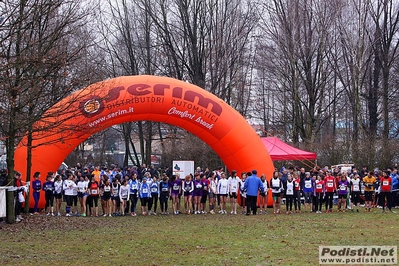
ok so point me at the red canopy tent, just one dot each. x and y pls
(281, 151)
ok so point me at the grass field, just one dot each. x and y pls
(265, 239)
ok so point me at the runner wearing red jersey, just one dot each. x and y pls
(330, 187)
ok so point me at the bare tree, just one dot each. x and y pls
(37, 51)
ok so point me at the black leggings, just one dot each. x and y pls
(289, 200)
(49, 200)
(153, 201)
(329, 200)
(93, 201)
(163, 199)
(69, 200)
(319, 201)
(297, 200)
(386, 195)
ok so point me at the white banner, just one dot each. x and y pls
(183, 168)
(3, 202)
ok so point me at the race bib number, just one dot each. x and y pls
(175, 187)
(145, 190)
(234, 188)
(164, 189)
(296, 184)
(94, 191)
(199, 186)
(308, 185)
(330, 184)
(318, 186)
(134, 186)
(385, 183)
(224, 187)
(289, 191)
(107, 189)
(342, 187)
(154, 189)
(356, 187)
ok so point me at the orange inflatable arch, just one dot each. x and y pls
(140, 98)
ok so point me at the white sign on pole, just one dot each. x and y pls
(3, 202)
(183, 168)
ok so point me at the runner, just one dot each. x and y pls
(385, 193)
(58, 184)
(68, 187)
(124, 195)
(36, 188)
(116, 203)
(319, 192)
(297, 192)
(106, 192)
(308, 191)
(48, 188)
(243, 193)
(369, 182)
(205, 192)
(343, 186)
(154, 188)
(212, 192)
(94, 194)
(330, 188)
(164, 194)
(355, 192)
(145, 195)
(276, 186)
(222, 190)
(133, 186)
(175, 192)
(233, 184)
(263, 195)
(82, 195)
(289, 187)
(197, 193)
(188, 188)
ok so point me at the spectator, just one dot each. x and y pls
(252, 186)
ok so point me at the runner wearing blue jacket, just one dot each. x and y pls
(134, 185)
(154, 196)
(145, 195)
(252, 186)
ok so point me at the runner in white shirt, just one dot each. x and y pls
(82, 194)
(223, 190)
(355, 184)
(68, 187)
(263, 195)
(243, 193)
(124, 194)
(75, 197)
(58, 194)
(233, 182)
(212, 192)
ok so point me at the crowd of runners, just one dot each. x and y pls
(118, 192)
